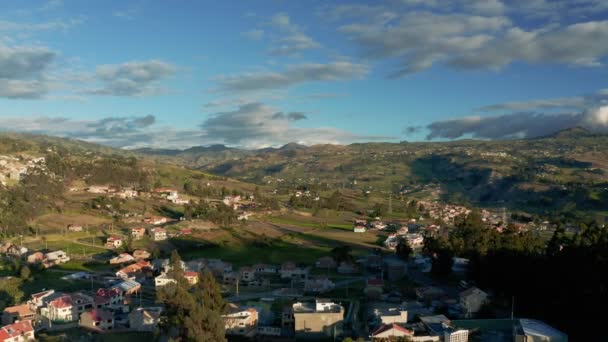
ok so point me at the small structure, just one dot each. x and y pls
(17, 332)
(134, 270)
(390, 331)
(241, 321)
(113, 242)
(122, 258)
(360, 229)
(534, 330)
(145, 319)
(138, 233)
(158, 234)
(471, 300)
(140, 254)
(191, 277)
(320, 320)
(16, 313)
(74, 227)
(97, 319)
(56, 257)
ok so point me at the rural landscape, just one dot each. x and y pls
(319, 170)
(390, 233)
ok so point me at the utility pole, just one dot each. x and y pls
(512, 307)
(390, 203)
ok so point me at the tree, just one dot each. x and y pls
(192, 314)
(25, 273)
(404, 250)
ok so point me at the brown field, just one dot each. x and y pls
(57, 222)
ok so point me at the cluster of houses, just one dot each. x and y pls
(47, 259)
(361, 226)
(14, 168)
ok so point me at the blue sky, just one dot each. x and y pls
(263, 73)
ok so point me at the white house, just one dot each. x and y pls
(158, 234)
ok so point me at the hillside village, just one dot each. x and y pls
(375, 295)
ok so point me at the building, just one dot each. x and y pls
(144, 319)
(134, 270)
(347, 268)
(113, 242)
(290, 270)
(158, 234)
(241, 321)
(359, 229)
(122, 258)
(374, 288)
(162, 280)
(460, 265)
(109, 298)
(318, 285)
(56, 257)
(97, 319)
(247, 273)
(140, 254)
(439, 325)
(320, 320)
(138, 233)
(21, 312)
(471, 300)
(156, 220)
(127, 287)
(531, 330)
(17, 332)
(326, 262)
(74, 227)
(389, 331)
(389, 314)
(394, 268)
(191, 277)
(59, 309)
(35, 258)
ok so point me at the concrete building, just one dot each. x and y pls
(530, 330)
(17, 332)
(21, 312)
(471, 300)
(323, 319)
(97, 319)
(241, 321)
(439, 325)
(144, 319)
(385, 332)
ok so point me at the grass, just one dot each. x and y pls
(78, 334)
(47, 279)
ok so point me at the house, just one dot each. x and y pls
(439, 325)
(231, 200)
(127, 193)
(122, 258)
(156, 220)
(127, 287)
(17, 251)
(186, 231)
(471, 300)
(74, 227)
(191, 277)
(144, 319)
(39, 299)
(460, 265)
(17, 332)
(109, 298)
(386, 332)
(162, 280)
(80, 303)
(134, 270)
(321, 320)
(326, 262)
(97, 319)
(318, 285)
(35, 258)
(378, 225)
(374, 288)
(56, 257)
(389, 314)
(247, 273)
(138, 233)
(429, 292)
(360, 229)
(265, 269)
(533, 330)
(59, 309)
(98, 189)
(243, 216)
(290, 270)
(140, 254)
(113, 242)
(241, 321)
(21, 312)
(347, 268)
(158, 234)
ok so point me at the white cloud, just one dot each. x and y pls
(291, 76)
(23, 71)
(137, 78)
